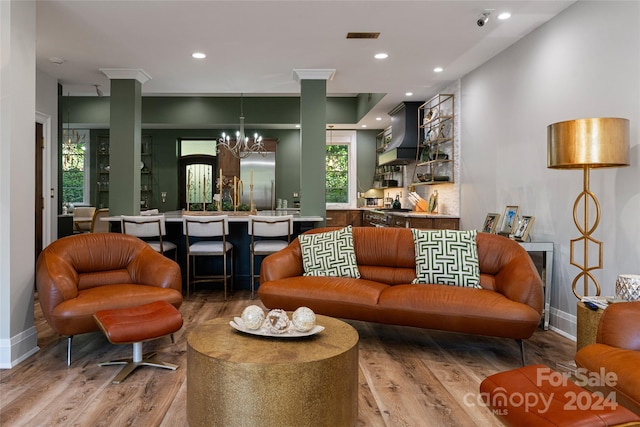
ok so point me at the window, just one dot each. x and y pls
(75, 164)
(340, 169)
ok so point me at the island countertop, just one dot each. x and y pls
(176, 216)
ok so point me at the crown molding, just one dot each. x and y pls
(126, 74)
(313, 74)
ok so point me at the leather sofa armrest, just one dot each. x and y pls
(282, 264)
(618, 326)
(519, 281)
(152, 268)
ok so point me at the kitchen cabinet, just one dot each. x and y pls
(229, 163)
(398, 221)
(344, 217)
(104, 168)
(435, 152)
(434, 223)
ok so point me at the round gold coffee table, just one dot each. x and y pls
(236, 379)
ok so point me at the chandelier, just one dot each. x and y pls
(73, 146)
(242, 146)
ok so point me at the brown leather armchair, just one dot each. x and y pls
(617, 351)
(77, 276)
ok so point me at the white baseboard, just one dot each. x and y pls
(18, 348)
(563, 323)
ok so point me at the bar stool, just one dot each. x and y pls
(264, 227)
(149, 228)
(207, 228)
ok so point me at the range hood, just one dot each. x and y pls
(404, 135)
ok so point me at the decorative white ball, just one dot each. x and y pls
(304, 319)
(253, 316)
(277, 321)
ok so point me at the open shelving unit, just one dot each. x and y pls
(435, 151)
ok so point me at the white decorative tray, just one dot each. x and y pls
(291, 332)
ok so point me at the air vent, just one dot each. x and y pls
(363, 35)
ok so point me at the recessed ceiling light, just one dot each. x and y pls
(364, 126)
(504, 15)
(381, 56)
(438, 70)
(198, 55)
(409, 94)
(378, 118)
(297, 126)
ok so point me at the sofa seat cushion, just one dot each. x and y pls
(455, 308)
(343, 297)
(623, 363)
(77, 313)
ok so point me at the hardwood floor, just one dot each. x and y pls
(408, 376)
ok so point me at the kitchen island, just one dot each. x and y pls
(238, 235)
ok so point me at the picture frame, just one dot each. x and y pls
(491, 223)
(523, 228)
(509, 220)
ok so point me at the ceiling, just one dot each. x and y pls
(252, 47)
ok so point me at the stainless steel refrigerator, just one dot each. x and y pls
(264, 179)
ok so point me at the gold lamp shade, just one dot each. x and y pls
(586, 144)
(597, 143)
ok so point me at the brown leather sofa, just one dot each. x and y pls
(78, 275)
(508, 305)
(616, 351)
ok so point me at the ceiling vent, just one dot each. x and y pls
(363, 35)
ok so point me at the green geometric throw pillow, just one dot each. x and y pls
(446, 257)
(329, 254)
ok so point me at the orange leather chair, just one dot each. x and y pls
(617, 351)
(76, 276)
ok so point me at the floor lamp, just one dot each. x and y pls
(586, 144)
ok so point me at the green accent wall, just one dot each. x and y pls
(167, 119)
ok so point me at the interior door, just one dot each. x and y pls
(39, 196)
(198, 173)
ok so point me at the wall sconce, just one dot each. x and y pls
(163, 194)
(586, 144)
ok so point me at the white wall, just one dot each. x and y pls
(17, 172)
(583, 63)
(47, 113)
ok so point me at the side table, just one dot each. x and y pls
(547, 260)
(587, 325)
(237, 379)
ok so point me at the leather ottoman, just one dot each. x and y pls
(538, 396)
(134, 326)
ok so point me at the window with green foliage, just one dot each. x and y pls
(74, 175)
(337, 171)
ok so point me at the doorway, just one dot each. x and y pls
(39, 193)
(196, 180)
